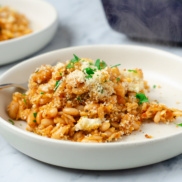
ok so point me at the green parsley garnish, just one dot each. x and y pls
(134, 71)
(142, 98)
(115, 65)
(58, 82)
(70, 65)
(180, 124)
(35, 114)
(89, 71)
(25, 101)
(101, 91)
(76, 58)
(154, 86)
(11, 121)
(118, 79)
(41, 93)
(100, 64)
(88, 76)
(37, 70)
(79, 98)
(73, 61)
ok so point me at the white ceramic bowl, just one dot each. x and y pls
(160, 68)
(43, 21)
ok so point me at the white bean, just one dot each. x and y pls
(71, 111)
(13, 109)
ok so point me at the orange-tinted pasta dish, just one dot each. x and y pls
(86, 100)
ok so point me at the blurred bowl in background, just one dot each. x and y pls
(154, 20)
(43, 22)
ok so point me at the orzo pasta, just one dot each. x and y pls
(87, 101)
(12, 24)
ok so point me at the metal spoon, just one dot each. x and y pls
(23, 86)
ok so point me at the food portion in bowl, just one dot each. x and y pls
(12, 24)
(84, 100)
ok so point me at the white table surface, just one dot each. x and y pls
(83, 22)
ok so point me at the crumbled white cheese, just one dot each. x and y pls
(44, 87)
(99, 85)
(59, 65)
(132, 81)
(87, 124)
(96, 77)
(75, 77)
(84, 64)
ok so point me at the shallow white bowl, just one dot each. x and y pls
(160, 68)
(43, 21)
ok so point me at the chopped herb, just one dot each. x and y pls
(115, 65)
(73, 61)
(118, 79)
(35, 114)
(76, 58)
(154, 86)
(142, 98)
(180, 124)
(61, 73)
(103, 65)
(70, 65)
(88, 76)
(100, 64)
(89, 71)
(100, 89)
(37, 70)
(97, 63)
(134, 71)
(25, 101)
(41, 93)
(79, 98)
(58, 82)
(11, 121)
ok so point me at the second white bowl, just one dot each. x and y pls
(43, 21)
